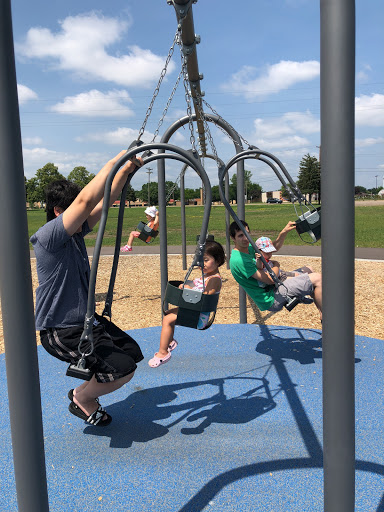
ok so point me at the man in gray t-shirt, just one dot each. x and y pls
(63, 273)
(61, 297)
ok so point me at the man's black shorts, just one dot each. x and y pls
(115, 353)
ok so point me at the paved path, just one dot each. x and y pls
(232, 423)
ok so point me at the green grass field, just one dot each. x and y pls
(262, 218)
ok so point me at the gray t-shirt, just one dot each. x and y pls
(63, 273)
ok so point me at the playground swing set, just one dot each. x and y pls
(189, 302)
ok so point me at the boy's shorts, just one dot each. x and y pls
(115, 353)
(298, 286)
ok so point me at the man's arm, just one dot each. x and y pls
(278, 243)
(91, 195)
(117, 186)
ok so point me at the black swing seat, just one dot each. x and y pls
(310, 222)
(79, 370)
(146, 231)
(294, 301)
(190, 303)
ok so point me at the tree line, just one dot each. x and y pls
(309, 182)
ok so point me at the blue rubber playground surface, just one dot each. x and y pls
(232, 423)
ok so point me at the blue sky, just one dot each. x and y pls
(86, 73)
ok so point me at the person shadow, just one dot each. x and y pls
(140, 418)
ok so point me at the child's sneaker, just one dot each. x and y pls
(126, 248)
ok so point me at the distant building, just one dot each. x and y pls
(275, 194)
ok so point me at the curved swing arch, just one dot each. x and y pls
(109, 298)
(293, 301)
(217, 120)
(182, 201)
(309, 220)
(80, 370)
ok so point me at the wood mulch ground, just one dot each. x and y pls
(137, 302)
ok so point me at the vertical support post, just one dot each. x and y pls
(337, 170)
(17, 294)
(163, 226)
(227, 220)
(241, 214)
(183, 230)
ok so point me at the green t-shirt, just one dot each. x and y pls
(243, 266)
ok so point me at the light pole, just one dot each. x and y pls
(149, 172)
(376, 180)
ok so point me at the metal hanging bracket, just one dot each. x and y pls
(188, 49)
(181, 10)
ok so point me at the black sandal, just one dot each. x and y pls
(96, 418)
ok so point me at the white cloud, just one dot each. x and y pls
(37, 157)
(80, 47)
(370, 110)
(25, 94)
(363, 74)
(275, 78)
(122, 136)
(285, 131)
(293, 141)
(369, 141)
(32, 141)
(96, 104)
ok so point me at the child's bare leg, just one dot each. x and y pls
(134, 234)
(87, 393)
(317, 291)
(167, 332)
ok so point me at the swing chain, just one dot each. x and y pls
(157, 89)
(184, 59)
(167, 106)
(198, 103)
(172, 189)
(228, 124)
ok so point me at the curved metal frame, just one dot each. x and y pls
(292, 301)
(309, 220)
(183, 156)
(162, 197)
(182, 201)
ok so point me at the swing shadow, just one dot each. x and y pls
(279, 349)
(304, 348)
(141, 411)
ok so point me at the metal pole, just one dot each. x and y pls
(227, 221)
(16, 292)
(149, 172)
(183, 230)
(189, 40)
(161, 171)
(337, 170)
(241, 214)
(163, 225)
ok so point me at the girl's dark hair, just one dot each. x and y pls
(215, 250)
(60, 193)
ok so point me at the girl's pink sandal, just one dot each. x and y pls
(158, 361)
